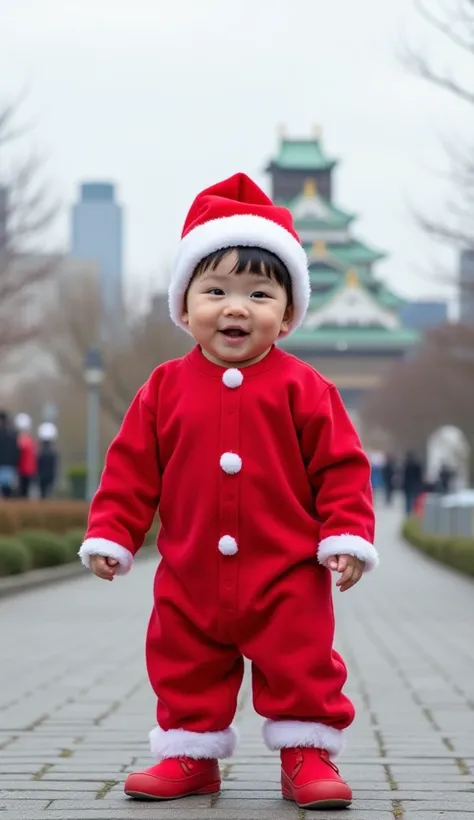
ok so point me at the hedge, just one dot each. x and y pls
(47, 549)
(54, 515)
(35, 548)
(454, 551)
(15, 557)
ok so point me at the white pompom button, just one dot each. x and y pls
(228, 545)
(232, 377)
(231, 463)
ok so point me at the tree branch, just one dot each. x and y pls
(446, 28)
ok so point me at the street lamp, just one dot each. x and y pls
(93, 377)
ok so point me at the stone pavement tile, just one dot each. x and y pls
(7, 805)
(60, 786)
(248, 803)
(414, 814)
(90, 772)
(367, 787)
(123, 802)
(165, 814)
(442, 786)
(250, 785)
(25, 765)
(449, 804)
(26, 794)
(19, 768)
(254, 773)
(117, 795)
(77, 777)
(415, 770)
(436, 795)
(255, 793)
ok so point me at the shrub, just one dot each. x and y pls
(55, 515)
(74, 539)
(454, 551)
(14, 556)
(77, 471)
(46, 548)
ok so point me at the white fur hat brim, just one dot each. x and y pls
(245, 230)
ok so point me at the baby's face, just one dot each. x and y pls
(235, 317)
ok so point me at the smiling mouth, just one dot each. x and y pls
(234, 332)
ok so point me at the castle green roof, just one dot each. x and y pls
(304, 155)
(351, 338)
(351, 253)
(356, 253)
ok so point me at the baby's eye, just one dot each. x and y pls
(215, 291)
(259, 294)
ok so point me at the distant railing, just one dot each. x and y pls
(450, 514)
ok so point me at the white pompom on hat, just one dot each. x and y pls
(232, 213)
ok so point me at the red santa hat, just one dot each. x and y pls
(231, 213)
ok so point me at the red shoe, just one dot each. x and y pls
(312, 781)
(174, 777)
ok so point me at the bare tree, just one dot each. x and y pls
(452, 21)
(430, 390)
(75, 324)
(25, 214)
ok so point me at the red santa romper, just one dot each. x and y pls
(260, 478)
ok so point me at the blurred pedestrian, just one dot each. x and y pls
(9, 456)
(412, 480)
(27, 464)
(389, 472)
(48, 459)
(376, 459)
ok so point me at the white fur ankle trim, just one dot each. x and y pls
(348, 545)
(197, 745)
(289, 734)
(109, 549)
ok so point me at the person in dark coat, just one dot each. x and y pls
(412, 480)
(48, 459)
(9, 456)
(389, 472)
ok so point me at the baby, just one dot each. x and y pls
(262, 488)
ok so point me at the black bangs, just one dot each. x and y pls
(254, 260)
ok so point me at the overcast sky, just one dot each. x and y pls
(165, 98)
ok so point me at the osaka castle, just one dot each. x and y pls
(352, 331)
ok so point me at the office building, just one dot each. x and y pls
(424, 314)
(97, 236)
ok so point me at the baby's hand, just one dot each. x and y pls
(351, 568)
(105, 568)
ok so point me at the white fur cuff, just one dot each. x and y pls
(196, 745)
(109, 549)
(289, 734)
(348, 545)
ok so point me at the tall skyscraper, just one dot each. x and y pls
(96, 235)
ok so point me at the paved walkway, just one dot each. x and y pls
(75, 707)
